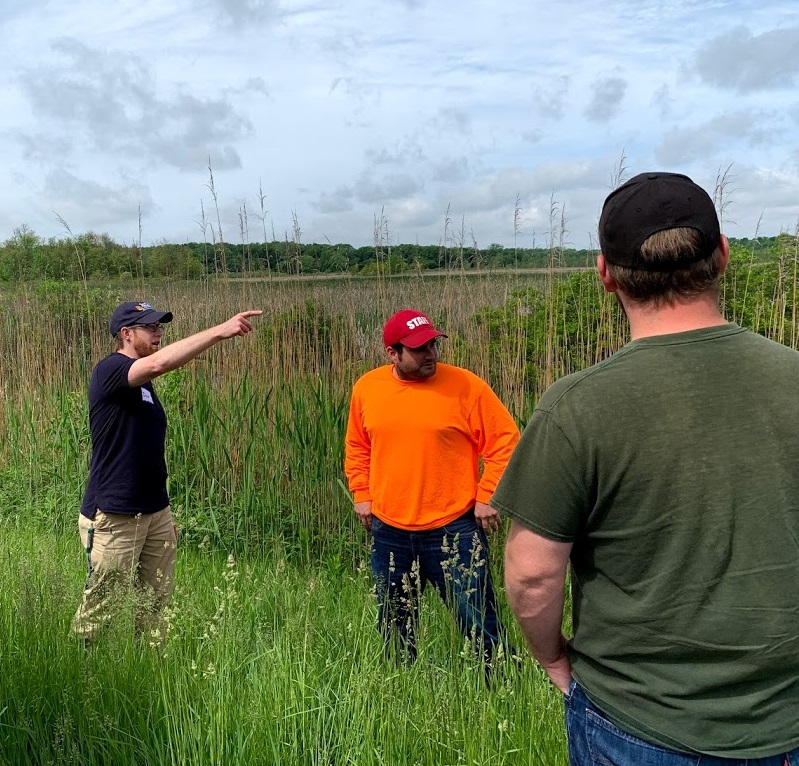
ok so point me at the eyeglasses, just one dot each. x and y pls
(431, 345)
(151, 328)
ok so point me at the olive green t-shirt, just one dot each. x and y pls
(673, 467)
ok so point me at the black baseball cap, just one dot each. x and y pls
(136, 312)
(653, 202)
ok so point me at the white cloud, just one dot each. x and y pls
(741, 61)
(754, 191)
(344, 109)
(84, 203)
(338, 201)
(608, 93)
(533, 136)
(663, 101)
(715, 137)
(550, 100)
(239, 13)
(111, 100)
(454, 170)
(378, 190)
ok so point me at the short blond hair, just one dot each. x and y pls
(674, 286)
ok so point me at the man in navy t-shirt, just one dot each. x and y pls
(125, 522)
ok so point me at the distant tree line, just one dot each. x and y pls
(25, 256)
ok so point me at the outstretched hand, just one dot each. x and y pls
(239, 324)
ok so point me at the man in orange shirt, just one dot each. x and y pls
(415, 432)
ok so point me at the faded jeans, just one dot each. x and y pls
(595, 741)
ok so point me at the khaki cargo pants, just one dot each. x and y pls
(131, 560)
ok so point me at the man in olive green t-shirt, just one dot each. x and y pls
(668, 475)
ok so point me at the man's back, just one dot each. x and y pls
(673, 467)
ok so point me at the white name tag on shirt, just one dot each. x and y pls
(146, 396)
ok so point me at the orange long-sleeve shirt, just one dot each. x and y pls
(412, 447)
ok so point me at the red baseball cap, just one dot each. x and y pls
(410, 327)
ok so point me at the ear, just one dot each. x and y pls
(392, 354)
(604, 275)
(724, 251)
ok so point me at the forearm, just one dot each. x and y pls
(178, 353)
(184, 350)
(173, 356)
(535, 576)
(538, 605)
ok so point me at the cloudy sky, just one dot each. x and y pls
(439, 118)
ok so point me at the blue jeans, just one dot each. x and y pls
(454, 560)
(595, 741)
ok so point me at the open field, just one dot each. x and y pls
(272, 656)
(266, 663)
(429, 273)
(255, 446)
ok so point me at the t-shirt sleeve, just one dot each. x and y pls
(544, 486)
(112, 374)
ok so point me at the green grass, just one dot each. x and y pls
(274, 659)
(265, 663)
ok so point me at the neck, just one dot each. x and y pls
(647, 321)
(129, 351)
(403, 376)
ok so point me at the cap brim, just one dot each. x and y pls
(421, 336)
(151, 316)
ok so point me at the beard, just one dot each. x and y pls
(143, 345)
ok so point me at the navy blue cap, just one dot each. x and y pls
(132, 313)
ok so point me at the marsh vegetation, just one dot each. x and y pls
(272, 656)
